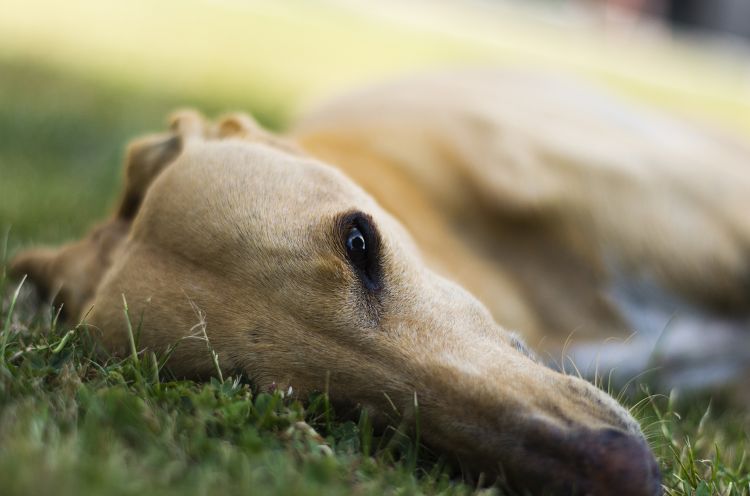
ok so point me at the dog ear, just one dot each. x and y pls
(189, 124)
(238, 125)
(36, 264)
(147, 156)
(243, 126)
(70, 274)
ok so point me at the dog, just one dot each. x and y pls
(335, 258)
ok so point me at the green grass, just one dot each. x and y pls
(70, 424)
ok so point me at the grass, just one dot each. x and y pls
(75, 87)
(74, 424)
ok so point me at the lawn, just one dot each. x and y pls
(75, 86)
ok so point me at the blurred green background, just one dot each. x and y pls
(79, 79)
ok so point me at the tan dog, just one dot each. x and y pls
(306, 281)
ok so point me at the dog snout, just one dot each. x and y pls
(587, 462)
(616, 463)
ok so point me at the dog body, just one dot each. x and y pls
(572, 216)
(542, 199)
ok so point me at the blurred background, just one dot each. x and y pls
(79, 78)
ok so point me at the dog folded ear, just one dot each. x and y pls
(243, 126)
(36, 264)
(147, 156)
(239, 125)
(70, 274)
(189, 124)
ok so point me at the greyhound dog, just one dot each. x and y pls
(335, 257)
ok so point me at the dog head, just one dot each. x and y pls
(301, 280)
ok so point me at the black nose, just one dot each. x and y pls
(616, 462)
(586, 462)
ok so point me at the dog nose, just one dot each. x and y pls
(618, 463)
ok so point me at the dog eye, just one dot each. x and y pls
(361, 243)
(356, 246)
